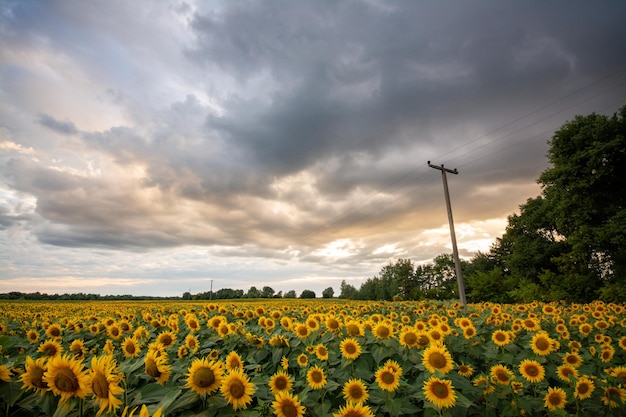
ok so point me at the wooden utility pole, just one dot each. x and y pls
(455, 251)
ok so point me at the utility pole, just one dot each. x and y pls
(455, 251)
(211, 291)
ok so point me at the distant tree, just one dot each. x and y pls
(328, 293)
(371, 289)
(267, 292)
(290, 294)
(279, 294)
(307, 294)
(253, 293)
(347, 291)
(186, 295)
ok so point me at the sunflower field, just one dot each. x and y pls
(291, 358)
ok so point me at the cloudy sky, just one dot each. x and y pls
(151, 147)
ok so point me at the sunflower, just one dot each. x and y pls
(332, 324)
(465, 370)
(104, 384)
(166, 338)
(204, 377)
(321, 352)
(284, 362)
(532, 370)
(350, 348)
(5, 373)
(287, 405)
(394, 367)
(585, 329)
(542, 344)
(303, 360)
(531, 324)
(32, 378)
(555, 398)
(355, 391)
(301, 330)
(130, 347)
(354, 410)
(279, 340)
(618, 372)
(237, 389)
(573, 359)
(622, 342)
(67, 378)
(408, 337)
(501, 374)
(501, 337)
(280, 381)
(233, 361)
(482, 381)
(51, 348)
(584, 388)
(387, 379)
(192, 343)
(354, 328)
(114, 332)
(437, 358)
(54, 331)
(566, 372)
(77, 348)
(382, 330)
(440, 392)
(316, 378)
(32, 336)
(612, 394)
(156, 366)
(606, 353)
(469, 332)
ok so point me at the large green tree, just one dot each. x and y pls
(570, 242)
(586, 191)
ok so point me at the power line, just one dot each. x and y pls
(399, 182)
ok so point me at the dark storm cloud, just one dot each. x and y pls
(359, 95)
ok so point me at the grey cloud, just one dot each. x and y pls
(63, 127)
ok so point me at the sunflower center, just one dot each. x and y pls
(410, 338)
(152, 369)
(554, 399)
(236, 389)
(280, 383)
(542, 343)
(130, 348)
(567, 372)
(440, 390)
(388, 378)
(356, 393)
(204, 377)
(532, 370)
(500, 337)
(115, 332)
(423, 340)
(382, 331)
(289, 410)
(322, 351)
(437, 360)
(55, 332)
(350, 348)
(317, 377)
(65, 380)
(166, 340)
(583, 388)
(100, 385)
(352, 329)
(502, 376)
(36, 378)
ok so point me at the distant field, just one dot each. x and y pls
(294, 357)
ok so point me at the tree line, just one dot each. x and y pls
(569, 243)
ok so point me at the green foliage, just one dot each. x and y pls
(328, 293)
(307, 294)
(570, 242)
